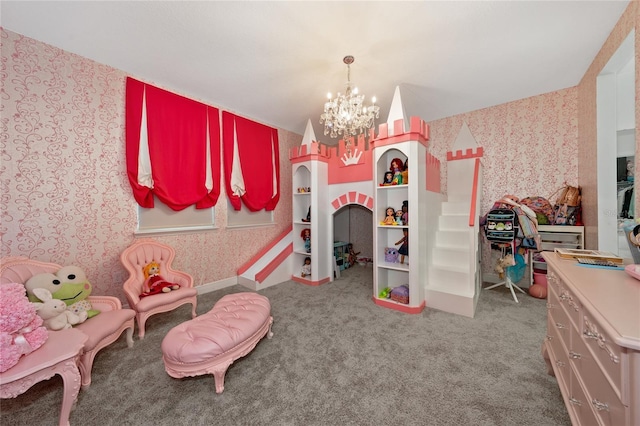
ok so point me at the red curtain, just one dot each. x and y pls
(177, 130)
(257, 164)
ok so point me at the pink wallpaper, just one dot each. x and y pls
(587, 131)
(65, 197)
(530, 146)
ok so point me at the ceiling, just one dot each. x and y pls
(275, 61)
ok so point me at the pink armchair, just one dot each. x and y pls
(135, 258)
(101, 330)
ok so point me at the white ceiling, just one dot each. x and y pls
(274, 61)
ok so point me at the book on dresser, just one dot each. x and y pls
(566, 253)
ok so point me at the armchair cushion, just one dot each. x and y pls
(110, 322)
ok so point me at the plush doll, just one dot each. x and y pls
(306, 268)
(69, 284)
(306, 237)
(54, 312)
(503, 264)
(21, 330)
(391, 255)
(154, 283)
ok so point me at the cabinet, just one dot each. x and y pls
(593, 342)
(389, 271)
(552, 236)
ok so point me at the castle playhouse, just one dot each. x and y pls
(443, 271)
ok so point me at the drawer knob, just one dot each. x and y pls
(560, 364)
(600, 406)
(575, 401)
(560, 326)
(574, 355)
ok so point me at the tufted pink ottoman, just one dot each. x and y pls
(210, 343)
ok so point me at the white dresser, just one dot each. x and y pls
(593, 342)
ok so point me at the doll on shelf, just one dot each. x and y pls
(306, 237)
(399, 217)
(390, 218)
(306, 267)
(405, 172)
(403, 250)
(397, 166)
(388, 179)
(405, 212)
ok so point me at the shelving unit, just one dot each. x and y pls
(387, 273)
(301, 208)
(552, 236)
(341, 254)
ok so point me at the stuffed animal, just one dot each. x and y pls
(154, 283)
(391, 255)
(69, 284)
(21, 330)
(54, 312)
(503, 264)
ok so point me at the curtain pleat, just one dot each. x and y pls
(183, 146)
(251, 163)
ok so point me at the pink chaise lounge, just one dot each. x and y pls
(210, 343)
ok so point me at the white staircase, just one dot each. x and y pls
(454, 275)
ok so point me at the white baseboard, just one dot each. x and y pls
(217, 285)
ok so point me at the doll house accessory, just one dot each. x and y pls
(101, 330)
(138, 255)
(210, 343)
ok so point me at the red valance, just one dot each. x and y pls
(172, 148)
(251, 163)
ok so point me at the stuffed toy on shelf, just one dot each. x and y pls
(154, 283)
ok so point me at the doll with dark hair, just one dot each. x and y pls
(388, 179)
(390, 217)
(306, 267)
(405, 212)
(404, 248)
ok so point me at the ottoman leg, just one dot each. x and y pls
(218, 375)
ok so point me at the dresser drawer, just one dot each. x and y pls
(557, 346)
(606, 353)
(602, 395)
(580, 405)
(566, 298)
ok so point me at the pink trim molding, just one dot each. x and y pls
(432, 167)
(469, 153)
(418, 131)
(474, 193)
(242, 269)
(399, 306)
(352, 197)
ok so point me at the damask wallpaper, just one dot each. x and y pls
(65, 196)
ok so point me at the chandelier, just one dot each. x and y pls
(346, 115)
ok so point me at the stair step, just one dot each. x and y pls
(450, 222)
(452, 239)
(455, 208)
(460, 197)
(451, 256)
(455, 280)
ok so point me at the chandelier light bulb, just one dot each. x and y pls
(329, 95)
(373, 100)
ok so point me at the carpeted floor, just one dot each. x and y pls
(335, 358)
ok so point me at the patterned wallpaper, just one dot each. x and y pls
(65, 197)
